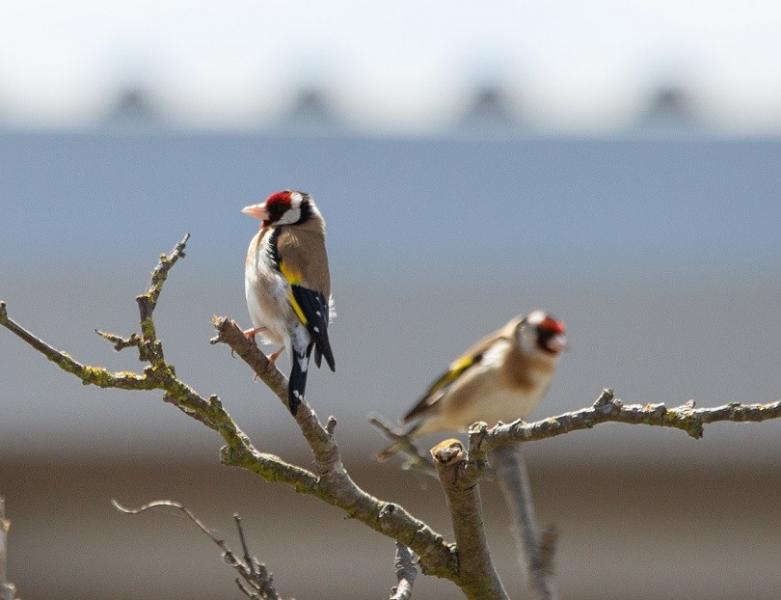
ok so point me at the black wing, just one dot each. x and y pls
(315, 309)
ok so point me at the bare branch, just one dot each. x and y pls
(320, 441)
(119, 342)
(161, 376)
(416, 458)
(459, 477)
(330, 425)
(335, 485)
(7, 589)
(331, 483)
(607, 408)
(89, 375)
(404, 565)
(535, 552)
(151, 349)
(147, 301)
(254, 579)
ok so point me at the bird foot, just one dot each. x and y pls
(252, 332)
(272, 358)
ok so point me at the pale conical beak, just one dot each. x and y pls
(256, 210)
(558, 343)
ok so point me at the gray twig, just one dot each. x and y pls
(416, 458)
(120, 343)
(7, 589)
(404, 565)
(330, 425)
(535, 552)
(254, 580)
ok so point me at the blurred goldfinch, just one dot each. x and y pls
(501, 378)
(287, 284)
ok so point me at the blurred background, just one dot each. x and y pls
(615, 163)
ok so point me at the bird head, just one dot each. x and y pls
(288, 207)
(539, 332)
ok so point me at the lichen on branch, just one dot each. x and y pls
(329, 482)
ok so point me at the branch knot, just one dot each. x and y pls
(607, 403)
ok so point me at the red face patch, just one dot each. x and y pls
(278, 199)
(277, 204)
(552, 325)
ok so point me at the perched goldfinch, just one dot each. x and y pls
(501, 378)
(288, 284)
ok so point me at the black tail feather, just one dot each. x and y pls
(318, 356)
(324, 347)
(296, 387)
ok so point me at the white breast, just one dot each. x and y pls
(266, 293)
(476, 397)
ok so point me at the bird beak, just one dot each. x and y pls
(558, 343)
(256, 210)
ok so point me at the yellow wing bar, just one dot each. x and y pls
(293, 278)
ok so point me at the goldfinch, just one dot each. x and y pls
(501, 378)
(287, 284)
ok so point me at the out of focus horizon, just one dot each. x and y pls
(531, 68)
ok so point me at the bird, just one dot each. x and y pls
(288, 284)
(503, 377)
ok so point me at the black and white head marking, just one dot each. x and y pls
(300, 210)
(540, 332)
(526, 331)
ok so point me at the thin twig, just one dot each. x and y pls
(416, 458)
(404, 566)
(150, 348)
(7, 589)
(535, 552)
(254, 579)
(120, 343)
(330, 425)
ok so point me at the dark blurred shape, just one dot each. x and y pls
(490, 110)
(670, 109)
(134, 107)
(662, 525)
(311, 111)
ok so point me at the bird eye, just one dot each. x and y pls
(275, 211)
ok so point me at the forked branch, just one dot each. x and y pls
(460, 478)
(331, 482)
(254, 580)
